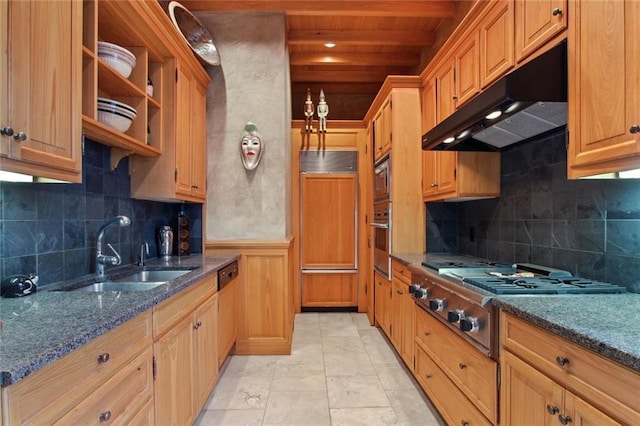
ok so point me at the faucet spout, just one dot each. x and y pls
(101, 259)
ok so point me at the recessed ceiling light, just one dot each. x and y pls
(494, 114)
(329, 45)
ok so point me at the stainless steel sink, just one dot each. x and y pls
(139, 281)
(124, 286)
(153, 276)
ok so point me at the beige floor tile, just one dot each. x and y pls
(412, 408)
(372, 336)
(299, 377)
(382, 354)
(230, 418)
(242, 393)
(297, 408)
(361, 321)
(306, 317)
(356, 392)
(363, 416)
(355, 364)
(310, 353)
(342, 345)
(251, 365)
(394, 377)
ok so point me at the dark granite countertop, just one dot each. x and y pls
(39, 329)
(606, 324)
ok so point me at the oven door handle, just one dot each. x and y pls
(380, 225)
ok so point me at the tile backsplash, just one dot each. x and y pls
(50, 229)
(589, 227)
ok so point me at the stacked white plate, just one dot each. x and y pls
(115, 114)
(117, 57)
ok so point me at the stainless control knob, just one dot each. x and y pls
(436, 305)
(469, 324)
(455, 316)
(420, 293)
(413, 287)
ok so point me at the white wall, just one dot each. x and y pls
(252, 84)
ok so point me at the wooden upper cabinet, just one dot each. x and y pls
(43, 68)
(383, 130)
(604, 65)
(467, 77)
(537, 21)
(445, 84)
(496, 42)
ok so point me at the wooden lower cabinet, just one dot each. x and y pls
(383, 303)
(453, 406)
(472, 373)
(402, 313)
(331, 289)
(111, 374)
(547, 379)
(227, 319)
(186, 354)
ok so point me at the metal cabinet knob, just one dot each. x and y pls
(20, 136)
(565, 420)
(8, 131)
(105, 417)
(428, 376)
(102, 358)
(557, 11)
(462, 366)
(562, 361)
(634, 129)
(552, 409)
(464, 423)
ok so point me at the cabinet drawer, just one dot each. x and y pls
(172, 310)
(119, 399)
(474, 373)
(450, 401)
(401, 271)
(51, 392)
(606, 384)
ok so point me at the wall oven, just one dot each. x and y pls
(382, 238)
(382, 181)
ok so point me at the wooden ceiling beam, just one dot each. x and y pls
(364, 38)
(356, 59)
(370, 75)
(412, 8)
(335, 87)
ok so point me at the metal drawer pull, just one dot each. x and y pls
(102, 358)
(20, 136)
(462, 366)
(428, 376)
(464, 423)
(552, 409)
(562, 361)
(426, 333)
(557, 11)
(634, 129)
(105, 417)
(197, 325)
(6, 131)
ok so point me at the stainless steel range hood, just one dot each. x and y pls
(527, 102)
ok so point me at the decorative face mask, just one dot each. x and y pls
(251, 148)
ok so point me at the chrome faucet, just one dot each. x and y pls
(143, 247)
(102, 259)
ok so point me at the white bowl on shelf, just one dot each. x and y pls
(107, 103)
(118, 58)
(114, 119)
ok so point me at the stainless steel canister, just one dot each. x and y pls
(165, 237)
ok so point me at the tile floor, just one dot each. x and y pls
(341, 371)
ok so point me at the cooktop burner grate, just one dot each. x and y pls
(543, 285)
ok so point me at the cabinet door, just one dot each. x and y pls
(387, 126)
(408, 327)
(528, 397)
(44, 88)
(467, 83)
(536, 22)
(199, 139)
(383, 303)
(446, 171)
(604, 103)
(397, 303)
(582, 413)
(173, 389)
(496, 42)
(205, 373)
(445, 90)
(328, 209)
(183, 134)
(227, 320)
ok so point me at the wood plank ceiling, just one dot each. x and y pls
(373, 39)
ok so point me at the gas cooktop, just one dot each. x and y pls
(542, 285)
